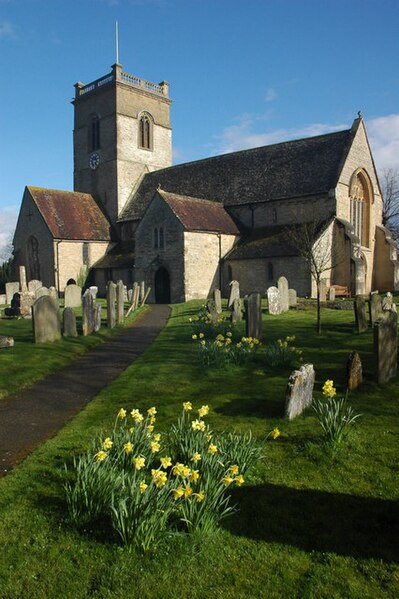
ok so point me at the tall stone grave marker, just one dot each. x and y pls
(234, 292)
(360, 314)
(120, 298)
(388, 303)
(375, 307)
(217, 296)
(111, 298)
(323, 290)
(53, 293)
(354, 372)
(273, 300)
(72, 296)
(331, 294)
(253, 315)
(11, 288)
(292, 298)
(97, 317)
(22, 279)
(94, 291)
(299, 394)
(69, 323)
(282, 285)
(27, 300)
(211, 307)
(135, 295)
(142, 291)
(46, 320)
(386, 347)
(87, 313)
(236, 314)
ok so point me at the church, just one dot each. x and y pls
(187, 229)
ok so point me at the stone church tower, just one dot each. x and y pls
(121, 132)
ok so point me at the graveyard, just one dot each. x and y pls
(311, 519)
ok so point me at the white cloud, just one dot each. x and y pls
(7, 30)
(383, 134)
(271, 94)
(8, 220)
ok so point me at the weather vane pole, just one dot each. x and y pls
(116, 42)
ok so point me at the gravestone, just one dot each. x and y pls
(69, 323)
(388, 303)
(234, 292)
(282, 285)
(331, 294)
(72, 296)
(97, 318)
(253, 315)
(375, 307)
(273, 300)
(147, 293)
(130, 295)
(11, 288)
(46, 320)
(135, 295)
(211, 307)
(27, 299)
(6, 342)
(53, 293)
(111, 298)
(236, 313)
(299, 393)
(323, 290)
(22, 279)
(125, 294)
(93, 290)
(120, 307)
(3, 298)
(34, 284)
(360, 313)
(42, 291)
(87, 313)
(217, 296)
(386, 347)
(354, 373)
(292, 298)
(142, 291)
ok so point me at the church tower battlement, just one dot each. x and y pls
(121, 131)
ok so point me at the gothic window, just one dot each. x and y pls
(33, 258)
(85, 254)
(270, 271)
(161, 238)
(156, 239)
(145, 132)
(360, 200)
(94, 133)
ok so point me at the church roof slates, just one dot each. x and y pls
(71, 215)
(200, 215)
(303, 167)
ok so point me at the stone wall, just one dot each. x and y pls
(70, 258)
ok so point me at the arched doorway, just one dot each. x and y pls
(162, 286)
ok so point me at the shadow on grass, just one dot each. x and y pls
(359, 527)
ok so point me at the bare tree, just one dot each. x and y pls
(390, 200)
(313, 242)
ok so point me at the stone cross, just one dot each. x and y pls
(273, 300)
(282, 285)
(386, 347)
(360, 314)
(299, 394)
(253, 315)
(46, 320)
(234, 292)
(111, 298)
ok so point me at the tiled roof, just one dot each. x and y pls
(119, 256)
(71, 214)
(200, 215)
(303, 167)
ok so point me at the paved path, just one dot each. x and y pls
(30, 417)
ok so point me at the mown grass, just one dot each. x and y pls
(311, 523)
(26, 362)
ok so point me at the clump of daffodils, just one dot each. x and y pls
(282, 353)
(221, 350)
(334, 414)
(145, 482)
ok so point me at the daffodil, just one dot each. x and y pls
(199, 496)
(107, 444)
(187, 406)
(139, 462)
(136, 415)
(234, 470)
(227, 480)
(142, 486)
(159, 477)
(150, 428)
(196, 457)
(239, 480)
(157, 437)
(151, 411)
(128, 448)
(181, 470)
(212, 449)
(154, 446)
(201, 335)
(166, 462)
(188, 491)
(177, 493)
(198, 425)
(275, 433)
(203, 411)
(329, 389)
(194, 337)
(101, 456)
(122, 413)
(194, 476)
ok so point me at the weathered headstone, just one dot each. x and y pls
(41, 292)
(130, 295)
(234, 292)
(3, 298)
(27, 300)
(273, 300)
(375, 307)
(388, 303)
(22, 279)
(354, 373)
(360, 314)
(299, 394)
(87, 313)
(253, 315)
(236, 313)
(72, 296)
(6, 342)
(69, 323)
(125, 294)
(135, 295)
(46, 320)
(282, 285)
(292, 298)
(111, 298)
(53, 293)
(34, 284)
(97, 318)
(11, 288)
(142, 291)
(331, 294)
(217, 296)
(120, 306)
(93, 290)
(211, 307)
(386, 347)
(323, 290)
(147, 293)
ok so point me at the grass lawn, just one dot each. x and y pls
(311, 523)
(26, 362)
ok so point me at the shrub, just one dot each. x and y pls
(334, 415)
(281, 354)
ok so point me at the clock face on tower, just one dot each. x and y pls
(94, 160)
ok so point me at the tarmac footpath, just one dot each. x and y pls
(34, 415)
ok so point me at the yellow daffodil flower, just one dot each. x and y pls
(166, 462)
(139, 462)
(128, 448)
(177, 493)
(107, 444)
(194, 476)
(239, 480)
(275, 433)
(187, 406)
(196, 457)
(142, 486)
(154, 446)
(227, 480)
(198, 425)
(151, 411)
(203, 411)
(101, 456)
(212, 449)
(188, 491)
(194, 337)
(136, 415)
(234, 470)
(159, 477)
(122, 413)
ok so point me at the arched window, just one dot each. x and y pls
(361, 195)
(161, 238)
(270, 271)
(156, 238)
(33, 258)
(145, 132)
(94, 133)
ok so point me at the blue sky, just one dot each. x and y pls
(243, 73)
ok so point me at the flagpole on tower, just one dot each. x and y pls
(116, 42)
